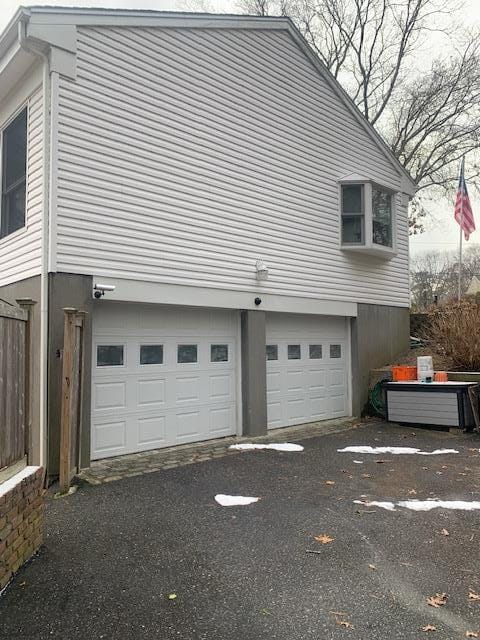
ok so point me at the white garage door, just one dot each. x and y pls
(306, 369)
(161, 376)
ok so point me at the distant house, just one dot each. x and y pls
(243, 226)
(474, 286)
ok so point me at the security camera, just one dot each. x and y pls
(99, 289)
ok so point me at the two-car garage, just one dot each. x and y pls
(167, 375)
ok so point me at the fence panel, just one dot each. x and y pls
(13, 334)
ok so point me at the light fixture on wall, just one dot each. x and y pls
(262, 270)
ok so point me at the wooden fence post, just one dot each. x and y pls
(27, 304)
(66, 414)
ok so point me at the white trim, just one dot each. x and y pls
(158, 293)
(15, 480)
(349, 367)
(238, 374)
(54, 114)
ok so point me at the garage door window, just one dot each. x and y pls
(110, 355)
(186, 353)
(272, 352)
(151, 354)
(335, 351)
(219, 353)
(294, 352)
(315, 351)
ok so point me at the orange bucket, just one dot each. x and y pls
(441, 376)
(401, 373)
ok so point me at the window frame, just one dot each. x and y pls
(368, 246)
(8, 236)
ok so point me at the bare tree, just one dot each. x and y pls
(428, 111)
(434, 276)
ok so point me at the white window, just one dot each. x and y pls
(367, 214)
(353, 214)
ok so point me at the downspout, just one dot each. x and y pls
(29, 47)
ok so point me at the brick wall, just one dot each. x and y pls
(21, 520)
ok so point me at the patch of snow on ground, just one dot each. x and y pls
(395, 450)
(358, 461)
(389, 506)
(423, 505)
(283, 446)
(232, 501)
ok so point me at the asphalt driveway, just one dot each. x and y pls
(115, 553)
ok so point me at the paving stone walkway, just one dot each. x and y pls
(135, 464)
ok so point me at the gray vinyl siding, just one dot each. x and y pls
(186, 154)
(20, 252)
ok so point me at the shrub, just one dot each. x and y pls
(454, 330)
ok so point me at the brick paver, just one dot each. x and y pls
(135, 464)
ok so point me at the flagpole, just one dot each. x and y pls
(460, 266)
(462, 172)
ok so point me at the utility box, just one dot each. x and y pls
(445, 404)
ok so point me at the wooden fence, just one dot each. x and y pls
(72, 390)
(15, 347)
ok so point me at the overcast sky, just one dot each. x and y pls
(442, 231)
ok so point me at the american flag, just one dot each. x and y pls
(463, 208)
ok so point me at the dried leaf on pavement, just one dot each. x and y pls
(323, 538)
(438, 600)
(366, 475)
(372, 567)
(329, 482)
(473, 596)
(429, 627)
(412, 492)
(444, 532)
(472, 634)
(344, 623)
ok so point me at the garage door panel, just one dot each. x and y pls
(109, 395)
(316, 381)
(294, 379)
(222, 420)
(187, 389)
(151, 392)
(319, 407)
(162, 394)
(310, 387)
(336, 378)
(152, 431)
(110, 437)
(220, 387)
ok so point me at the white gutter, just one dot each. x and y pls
(27, 45)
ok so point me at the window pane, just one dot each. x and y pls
(352, 229)
(382, 217)
(14, 142)
(335, 351)
(219, 353)
(352, 198)
(151, 354)
(14, 160)
(186, 353)
(110, 355)
(13, 210)
(315, 351)
(272, 352)
(294, 352)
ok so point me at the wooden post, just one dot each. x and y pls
(27, 304)
(66, 413)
